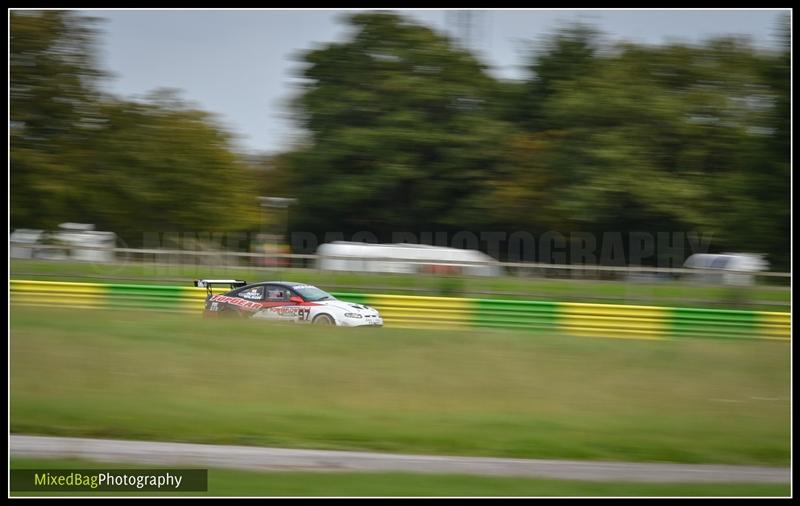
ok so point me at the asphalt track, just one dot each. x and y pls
(179, 455)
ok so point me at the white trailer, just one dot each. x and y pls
(404, 258)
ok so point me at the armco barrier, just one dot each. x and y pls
(601, 320)
(50, 293)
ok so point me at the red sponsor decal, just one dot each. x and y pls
(246, 304)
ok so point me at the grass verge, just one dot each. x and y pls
(140, 375)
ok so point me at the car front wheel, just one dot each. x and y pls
(323, 319)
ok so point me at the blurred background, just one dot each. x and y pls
(408, 126)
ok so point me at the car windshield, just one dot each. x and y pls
(312, 293)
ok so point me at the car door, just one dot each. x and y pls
(276, 296)
(276, 304)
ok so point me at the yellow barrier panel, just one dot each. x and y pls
(643, 322)
(775, 325)
(429, 312)
(194, 299)
(46, 293)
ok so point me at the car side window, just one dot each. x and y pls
(253, 293)
(277, 293)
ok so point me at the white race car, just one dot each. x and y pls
(285, 301)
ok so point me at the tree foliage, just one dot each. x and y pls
(129, 167)
(159, 164)
(52, 95)
(401, 132)
(408, 132)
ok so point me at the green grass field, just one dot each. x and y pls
(143, 375)
(668, 293)
(290, 484)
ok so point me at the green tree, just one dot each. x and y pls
(129, 167)
(401, 132)
(52, 96)
(619, 160)
(661, 138)
(407, 132)
(560, 59)
(161, 165)
(769, 185)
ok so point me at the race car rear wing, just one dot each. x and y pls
(208, 284)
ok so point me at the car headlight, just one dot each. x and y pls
(352, 315)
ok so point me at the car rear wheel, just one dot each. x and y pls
(323, 319)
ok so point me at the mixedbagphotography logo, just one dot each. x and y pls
(105, 480)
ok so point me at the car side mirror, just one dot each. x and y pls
(296, 299)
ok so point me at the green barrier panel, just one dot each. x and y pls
(686, 322)
(515, 314)
(355, 298)
(146, 296)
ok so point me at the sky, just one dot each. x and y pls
(242, 65)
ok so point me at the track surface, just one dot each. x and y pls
(279, 459)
